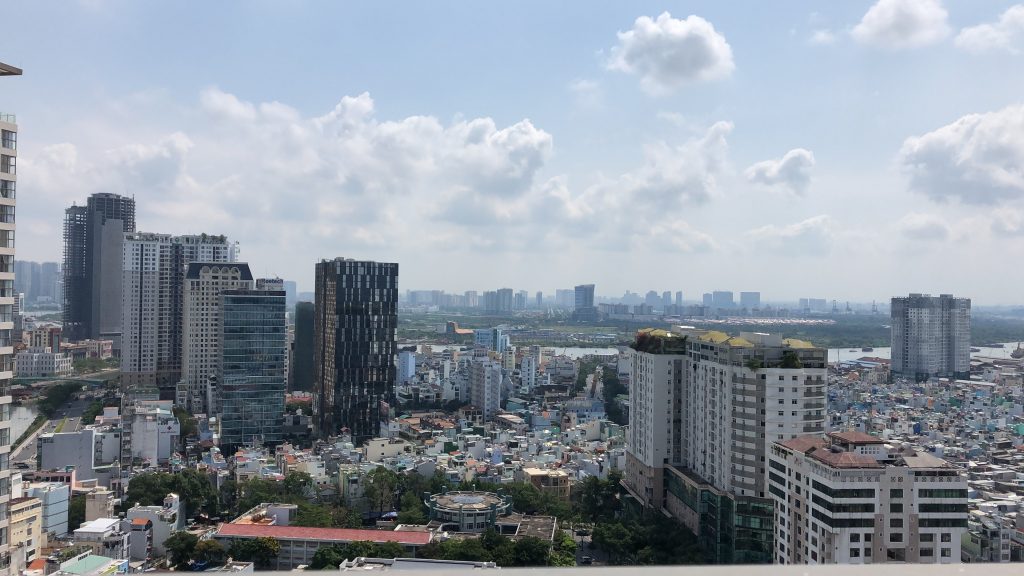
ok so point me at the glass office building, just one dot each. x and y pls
(253, 358)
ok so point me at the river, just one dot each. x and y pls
(21, 418)
(839, 354)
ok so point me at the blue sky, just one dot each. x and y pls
(852, 150)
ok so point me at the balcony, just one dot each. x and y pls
(814, 429)
(9, 118)
(812, 393)
(812, 417)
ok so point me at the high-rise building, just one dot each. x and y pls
(93, 255)
(666, 299)
(521, 298)
(722, 299)
(565, 298)
(704, 407)
(291, 294)
(583, 303)
(253, 376)
(931, 336)
(485, 380)
(750, 300)
(152, 309)
(355, 344)
(37, 281)
(8, 185)
(201, 336)
(679, 298)
(851, 498)
(302, 348)
(406, 365)
(540, 299)
(708, 300)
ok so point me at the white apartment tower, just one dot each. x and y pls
(152, 309)
(485, 378)
(850, 498)
(704, 409)
(8, 184)
(931, 336)
(201, 336)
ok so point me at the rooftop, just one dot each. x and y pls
(855, 437)
(323, 534)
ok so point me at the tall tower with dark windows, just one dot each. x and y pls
(93, 244)
(355, 331)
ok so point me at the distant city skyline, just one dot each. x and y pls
(833, 144)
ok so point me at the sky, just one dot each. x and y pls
(854, 150)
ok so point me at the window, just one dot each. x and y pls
(896, 537)
(927, 537)
(854, 537)
(946, 537)
(854, 552)
(945, 553)
(895, 507)
(895, 522)
(927, 552)
(896, 493)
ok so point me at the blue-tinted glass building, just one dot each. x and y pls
(253, 357)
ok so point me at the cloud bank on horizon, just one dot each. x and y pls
(699, 183)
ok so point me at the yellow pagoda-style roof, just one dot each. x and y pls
(794, 343)
(714, 336)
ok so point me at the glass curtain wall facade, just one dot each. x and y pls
(355, 331)
(253, 376)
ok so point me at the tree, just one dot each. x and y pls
(327, 557)
(76, 512)
(299, 484)
(345, 518)
(563, 552)
(312, 515)
(181, 547)
(411, 510)
(210, 552)
(615, 539)
(531, 551)
(261, 551)
(380, 488)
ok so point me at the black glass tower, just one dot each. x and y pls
(355, 331)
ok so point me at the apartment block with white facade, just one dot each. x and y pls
(8, 184)
(850, 498)
(38, 362)
(703, 405)
(485, 378)
(152, 311)
(201, 336)
(931, 336)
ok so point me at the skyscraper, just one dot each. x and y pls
(201, 336)
(584, 308)
(302, 348)
(931, 336)
(750, 300)
(679, 298)
(93, 255)
(254, 348)
(355, 344)
(722, 299)
(152, 310)
(704, 409)
(8, 185)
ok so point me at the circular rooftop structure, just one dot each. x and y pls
(469, 511)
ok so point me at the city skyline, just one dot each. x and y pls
(587, 145)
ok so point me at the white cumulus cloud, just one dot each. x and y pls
(898, 24)
(1008, 222)
(790, 173)
(1002, 35)
(822, 37)
(978, 159)
(919, 226)
(668, 53)
(812, 236)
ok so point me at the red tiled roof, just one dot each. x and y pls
(405, 537)
(845, 459)
(803, 443)
(140, 521)
(854, 437)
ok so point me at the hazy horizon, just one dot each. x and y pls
(842, 151)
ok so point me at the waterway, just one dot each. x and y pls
(840, 354)
(21, 418)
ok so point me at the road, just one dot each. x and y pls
(583, 549)
(70, 411)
